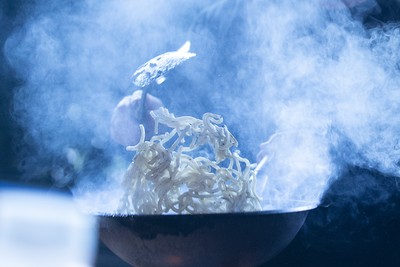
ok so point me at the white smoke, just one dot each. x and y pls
(306, 70)
(332, 83)
(76, 60)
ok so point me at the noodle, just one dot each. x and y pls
(166, 176)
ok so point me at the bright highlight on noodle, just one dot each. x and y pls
(169, 173)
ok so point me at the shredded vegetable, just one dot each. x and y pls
(194, 168)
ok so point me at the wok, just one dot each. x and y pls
(223, 239)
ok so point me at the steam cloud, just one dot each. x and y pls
(306, 70)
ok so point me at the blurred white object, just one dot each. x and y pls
(156, 68)
(44, 229)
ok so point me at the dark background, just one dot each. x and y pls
(347, 231)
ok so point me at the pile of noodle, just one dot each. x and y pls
(166, 176)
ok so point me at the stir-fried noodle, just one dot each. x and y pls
(169, 174)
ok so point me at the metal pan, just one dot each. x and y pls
(223, 239)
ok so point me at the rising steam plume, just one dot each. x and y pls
(307, 71)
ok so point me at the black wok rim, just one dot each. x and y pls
(302, 208)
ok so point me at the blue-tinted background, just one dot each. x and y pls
(349, 231)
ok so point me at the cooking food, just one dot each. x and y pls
(194, 168)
